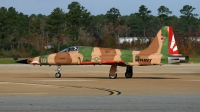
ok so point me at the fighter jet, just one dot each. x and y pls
(162, 50)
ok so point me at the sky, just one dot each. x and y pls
(96, 7)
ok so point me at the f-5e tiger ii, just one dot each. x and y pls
(162, 50)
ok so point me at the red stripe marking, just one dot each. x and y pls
(113, 61)
(87, 63)
(170, 41)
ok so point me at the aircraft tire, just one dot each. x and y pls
(58, 75)
(128, 75)
(113, 76)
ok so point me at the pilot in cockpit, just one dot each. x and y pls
(73, 48)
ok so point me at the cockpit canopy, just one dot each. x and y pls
(72, 48)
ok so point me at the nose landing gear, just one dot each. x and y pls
(58, 74)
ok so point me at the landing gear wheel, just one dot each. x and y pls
(113, 76)
(128, 75)
(129, 72)
(58, 75)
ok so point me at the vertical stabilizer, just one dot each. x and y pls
(159, 43)
(164, 43)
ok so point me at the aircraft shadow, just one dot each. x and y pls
(65, 77)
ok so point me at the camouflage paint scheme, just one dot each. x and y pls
(156, 53)
(162, 48)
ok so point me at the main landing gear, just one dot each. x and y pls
(113, 74)
(129, 72)
(58, 74)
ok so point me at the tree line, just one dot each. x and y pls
(25, 36)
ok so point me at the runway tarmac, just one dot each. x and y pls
(88, 88)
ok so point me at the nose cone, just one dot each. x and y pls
(34, 61)
(24, 61)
